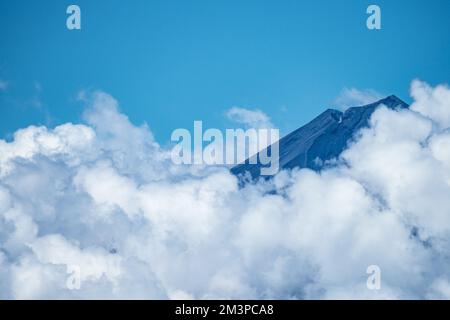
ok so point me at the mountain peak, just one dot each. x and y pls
(393, 101)
(322, 139)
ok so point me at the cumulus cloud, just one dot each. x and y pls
(432, 102)
(105, 197)
(351, 97)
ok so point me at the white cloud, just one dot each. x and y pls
(352, 97)
(440, 289)
(104, 195)
(249, 118)
(252, 119)
(432, 102)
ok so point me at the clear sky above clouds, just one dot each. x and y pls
(172, 62)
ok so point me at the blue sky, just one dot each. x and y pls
(172, 62)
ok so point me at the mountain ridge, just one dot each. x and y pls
(321, 139)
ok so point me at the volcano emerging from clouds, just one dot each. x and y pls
(102, 197)
(322, 139)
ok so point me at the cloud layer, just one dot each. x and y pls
(105, 197)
